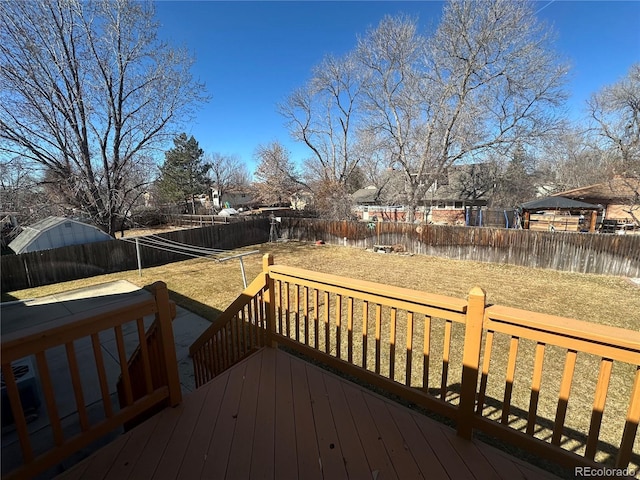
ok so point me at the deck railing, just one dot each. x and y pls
(70, 334)
(238, 331)
(460, 358)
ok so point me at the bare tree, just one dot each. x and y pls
(616, 113)
(87, 91)
(227, 173)
(572, 160)
(483, 81)
(322, 115)
(277, 177)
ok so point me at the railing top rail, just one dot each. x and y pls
(569, 327)
(363, 286)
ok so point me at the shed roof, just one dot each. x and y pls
(32, 232)
(558, 203)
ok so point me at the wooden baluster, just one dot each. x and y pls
(350, 330)
(50, 398)
(365, 319)
(288, 308)
(378, 329)
(77, 385)
(407, 380)
(280, 331)
(392, 343)
(248, 326)
(258, 322)
(486, 362)
(225, 354)
(262, 303)
(243, 328)
(511, 371)
(195, 358)
(316, 319)
(219, 339)
(565, 391)
(102, 375)
(446, 350)
(306, 315)
(631, 425)
(269, 307)
(426, 353)
(146, 364)
(536, 382)
(327, 323)
(338, 325)
(214, 348)
(124, 370)
(599, 400)
(18, 412)
(296, 314)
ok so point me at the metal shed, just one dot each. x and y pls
(55, 232)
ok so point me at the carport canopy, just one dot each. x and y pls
(558, 203)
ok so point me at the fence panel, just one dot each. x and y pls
(80, 261)
(568, 251)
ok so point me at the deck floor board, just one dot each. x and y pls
(274, 416)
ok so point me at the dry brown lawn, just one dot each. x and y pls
(207, 287)
(596, 298)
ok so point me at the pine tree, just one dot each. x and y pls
(183, 174)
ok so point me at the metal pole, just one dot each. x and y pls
(244, 276)
(139, 259)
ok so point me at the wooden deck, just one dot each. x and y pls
(276, 416)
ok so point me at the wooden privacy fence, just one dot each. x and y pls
(480, 366)
(70, 334)
(80, 261)
(567, 251)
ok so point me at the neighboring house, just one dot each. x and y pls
(232, 199)
(446, 202)
(55, 232)
(620, 198)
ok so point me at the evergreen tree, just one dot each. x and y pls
(183, 174)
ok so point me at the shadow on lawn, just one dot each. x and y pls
(205, 311)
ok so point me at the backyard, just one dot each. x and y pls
(204, 286)
(207, 287)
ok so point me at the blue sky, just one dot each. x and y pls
(251, 55)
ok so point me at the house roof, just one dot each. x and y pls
(558, 203)
(369, 194)
(616, 188)
(32, 232)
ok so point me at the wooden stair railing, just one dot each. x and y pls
(147, 370)
(237, 332)
(38, 340)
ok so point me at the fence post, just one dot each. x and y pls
(167, 342)
(270, 300)
(471, 361)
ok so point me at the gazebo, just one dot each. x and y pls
(559, 213)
